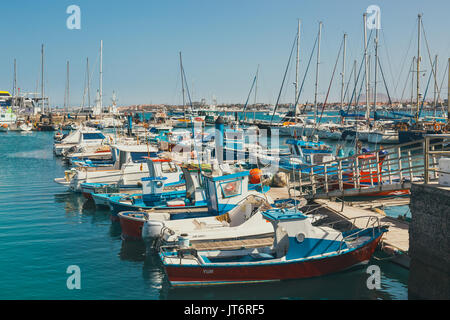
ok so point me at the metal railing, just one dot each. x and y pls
(385, 169)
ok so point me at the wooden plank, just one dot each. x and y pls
(232, 244)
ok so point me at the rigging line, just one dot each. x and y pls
(429, 54)
(442, 82)
(348, 82)
(329, 88)
(389, 60)
(440, 89)
(284, 78)
(404, 58)
(192, 123)
(425, 93)
(304, 77)
(407, 80)
(248, 97)
(384, 81)
(357, 78)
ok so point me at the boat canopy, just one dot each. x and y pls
(307, 144)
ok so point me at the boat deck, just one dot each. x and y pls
(232, 244)
(394, 241)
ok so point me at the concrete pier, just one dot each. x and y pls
(429, 238)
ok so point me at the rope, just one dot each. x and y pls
(284, 78)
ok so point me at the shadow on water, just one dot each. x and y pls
(132, 251)
(154, 275)
(347, 285)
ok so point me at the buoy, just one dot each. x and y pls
(255, 176)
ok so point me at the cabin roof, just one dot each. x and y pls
(284, 214)
(134, 148)
(302, 143)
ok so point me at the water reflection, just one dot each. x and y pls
(132, 250)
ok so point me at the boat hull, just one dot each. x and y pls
(191, 275)
(131, 225)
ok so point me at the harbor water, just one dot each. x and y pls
(44, 229)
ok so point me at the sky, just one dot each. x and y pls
(222, 43)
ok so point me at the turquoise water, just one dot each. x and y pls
(44, 229)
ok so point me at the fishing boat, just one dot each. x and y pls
(168, 177)
(127, 168)
(240, 222)
(302, 154)
(7, 119)
(222, 192)
(299, 250)
(384, 136)
(79, 138)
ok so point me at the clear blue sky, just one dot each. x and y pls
(222, 43)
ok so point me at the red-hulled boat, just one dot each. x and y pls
(299, 251)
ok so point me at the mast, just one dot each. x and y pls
(256, 89)
(376, 72)
(435, 85)
(412, 81)
(182, 82)
(88, 83)
(366, 67)
(68, 88)
(418, 67)
(15, 83)
(101, 77)
(42, 79)
(317, 72)
(343, 72)
(296, 68)
(448, 93)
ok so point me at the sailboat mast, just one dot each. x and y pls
(343, 72)
(42, 79)
(448, 93)
(317, 71)
(15, 83)
(435, 85)
(366, 68)
(68, 88)
(101, 77)
(296, 68)
(376, 72)
(182, 80)
(418, 66)
(88, 83)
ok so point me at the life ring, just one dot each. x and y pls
(437, 126)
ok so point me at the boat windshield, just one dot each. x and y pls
(139, 157)
(93, 136)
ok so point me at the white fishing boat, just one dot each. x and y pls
(7, 119)
(243, 221)
(79, 138)
(384, 136)
(128, 168)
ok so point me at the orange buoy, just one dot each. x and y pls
(255, 176)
